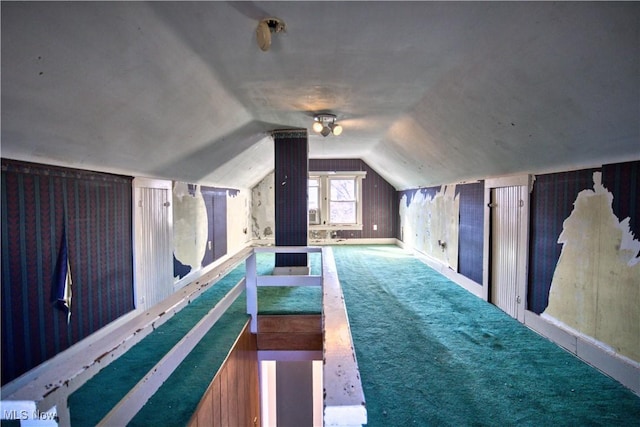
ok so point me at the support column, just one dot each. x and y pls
(291, 181)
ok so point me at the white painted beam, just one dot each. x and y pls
(254, 280)
(252, 292)
(294, 280)
(344, 402)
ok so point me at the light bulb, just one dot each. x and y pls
(337, 129)
(317, 126)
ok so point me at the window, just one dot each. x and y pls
(314, 201)
(342, 203)
(335, 200)
(314, 193)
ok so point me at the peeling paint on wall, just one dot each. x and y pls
(263, 209)
(596, 287)
(237, 220)
(429, 223)
(190, 225)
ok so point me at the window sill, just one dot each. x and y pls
(335, 227)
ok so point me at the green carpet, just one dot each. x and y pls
(430, 353)
(287, 299)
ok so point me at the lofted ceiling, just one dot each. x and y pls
(428, 93)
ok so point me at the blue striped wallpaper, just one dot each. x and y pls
(291, 177)
(38, 202)
(471, 230)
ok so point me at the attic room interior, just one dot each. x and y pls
(320, 213)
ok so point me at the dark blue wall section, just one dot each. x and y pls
(215, 200)
(179, 269)
(379, 205)
(471, 231)
(291, 180)
(38, 202)
(623, 181)
(219, 223)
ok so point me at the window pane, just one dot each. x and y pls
(343, 189)
(313, 197)
(342, 212)
(313, 182)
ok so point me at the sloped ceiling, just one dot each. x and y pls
(428, 93)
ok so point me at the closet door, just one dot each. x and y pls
(508, 252)
(153, 241)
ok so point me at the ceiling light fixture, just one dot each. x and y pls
(325, 124)
(265, 28)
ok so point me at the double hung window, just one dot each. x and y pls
(335, 200)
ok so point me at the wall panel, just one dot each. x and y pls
(40, 205)
(471, 232)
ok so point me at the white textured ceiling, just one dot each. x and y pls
(428, 92)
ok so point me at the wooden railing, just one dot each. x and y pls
(344, 402)
(253, 280)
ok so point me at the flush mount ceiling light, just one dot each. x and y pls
(264, 30)
(325, 123)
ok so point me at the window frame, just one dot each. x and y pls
(324, 194)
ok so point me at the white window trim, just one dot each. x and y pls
(324, 196)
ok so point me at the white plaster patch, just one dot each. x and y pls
(190, 225)
(237, 220)
(430, 224)
(596, 287)
(263, 223)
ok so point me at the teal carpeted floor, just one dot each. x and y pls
(430, 353)
(286, 299)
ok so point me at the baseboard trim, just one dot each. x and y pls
(369, 241)
(457, 278)
(592, 352)
(324, 242)
(595, 353)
